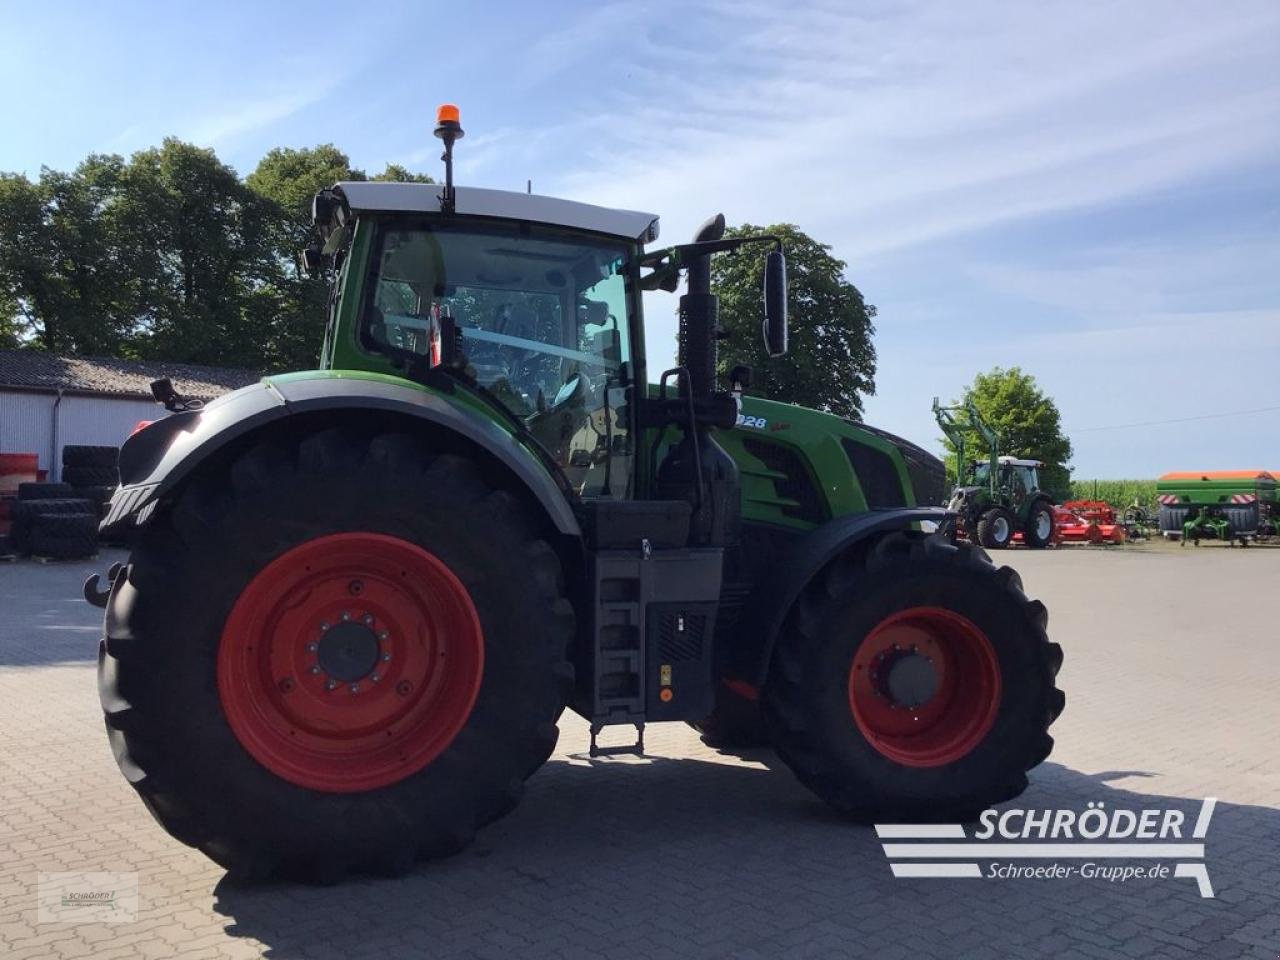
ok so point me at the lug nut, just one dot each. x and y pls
(386, 657)
(375, 678)
(345, 615)
(316, 668)
(312, 647)
(323, 627)
(330, 685)
(368, 619)
(355, 688)
(383, 635)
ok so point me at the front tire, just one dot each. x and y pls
(914, 683)
(335, 653)
(995, 529)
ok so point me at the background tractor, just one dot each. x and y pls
(361, 596)
(997, 497)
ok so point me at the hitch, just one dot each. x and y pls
(99, 597)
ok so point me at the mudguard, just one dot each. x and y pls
(766, 610)
(156, 459)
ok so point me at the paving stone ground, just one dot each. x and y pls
(1173, 695)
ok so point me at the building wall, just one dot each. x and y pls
(27, 423)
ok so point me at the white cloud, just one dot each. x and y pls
(234, 119)
(926, 121)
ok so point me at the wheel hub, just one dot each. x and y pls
(907, 679)
(348, 652)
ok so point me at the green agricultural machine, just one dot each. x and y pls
(360, 597)
(996, 497)
(1229, 505)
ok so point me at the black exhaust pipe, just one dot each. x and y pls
(699, 333)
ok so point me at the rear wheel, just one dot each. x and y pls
(1039, 527)
(915, 682)
(995, 528)
(336, 654)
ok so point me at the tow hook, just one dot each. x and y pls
(99, 597)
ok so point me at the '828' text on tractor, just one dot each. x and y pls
(361, 596)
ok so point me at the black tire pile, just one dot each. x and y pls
(59, 521)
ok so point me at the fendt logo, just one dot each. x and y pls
(1089, 844)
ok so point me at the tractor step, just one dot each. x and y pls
(650, 652)
(636, 749)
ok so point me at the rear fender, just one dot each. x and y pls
(766, 611)
(154, 461)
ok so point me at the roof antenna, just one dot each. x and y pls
(528, 186)
(448, 129)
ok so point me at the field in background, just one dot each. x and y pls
(1118, 493)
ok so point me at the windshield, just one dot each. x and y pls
(544, 322)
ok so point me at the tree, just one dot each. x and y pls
(169, 255)
(831, 361)
(59, 272)
(205, 243)
(1028, 423)
(286, 180)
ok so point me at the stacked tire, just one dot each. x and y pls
(48, 520)
(93, 473)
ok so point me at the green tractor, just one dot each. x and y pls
(360, 597)
(997, 497)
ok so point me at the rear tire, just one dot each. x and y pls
(985, 723)
(1038, 532)
(995, 529)
(179, 675)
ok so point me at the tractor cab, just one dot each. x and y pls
(1019, 478)
(538, 310)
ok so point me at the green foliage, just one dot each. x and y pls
(1118, 493)
(831, 362)
(169, 255)
(1027, 421)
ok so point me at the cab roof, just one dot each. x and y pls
(384, 197)
(1014, 461)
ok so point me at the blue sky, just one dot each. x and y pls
(1088, 190)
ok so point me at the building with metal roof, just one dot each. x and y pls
(48, 401)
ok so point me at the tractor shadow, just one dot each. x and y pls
(715, 857)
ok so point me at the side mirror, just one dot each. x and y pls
(775, 303)
(311, 261)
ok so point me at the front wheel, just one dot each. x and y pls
(336, 653)
(914, 683)
(995, 529)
